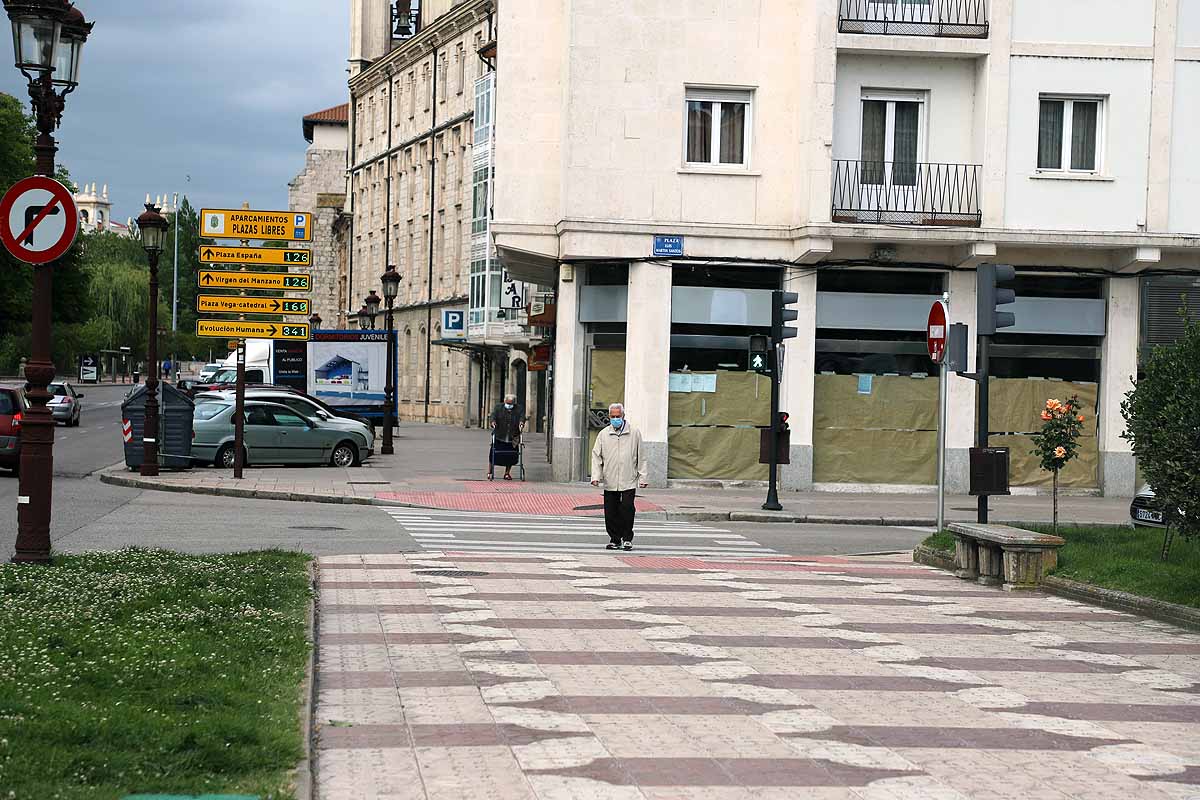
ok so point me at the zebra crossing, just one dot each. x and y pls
(487, 532)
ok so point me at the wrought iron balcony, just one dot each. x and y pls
(959, 18)
(907, 193)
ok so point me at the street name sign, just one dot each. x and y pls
(291, 281)
(223, 329)
(276, 256)
(935, 337)
(38, 220)
(243, 223)
(232, 304)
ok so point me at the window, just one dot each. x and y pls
(1070, 132)
(893, 137)
(461, 63)
(288, 419)
(718, 125)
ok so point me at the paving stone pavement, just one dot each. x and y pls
(454, 676)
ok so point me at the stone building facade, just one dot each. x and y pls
(320, 189)
(411, 128)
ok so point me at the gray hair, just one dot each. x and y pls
(510, 397)
(616, 405)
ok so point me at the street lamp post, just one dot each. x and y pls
(48, 37)
(364, 318)
(153, 227)
(391, 288)
(314, 322)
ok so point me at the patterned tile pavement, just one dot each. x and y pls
(445, 675)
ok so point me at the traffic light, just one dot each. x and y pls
(760, 354)
(780, 313)
(783, 418)
(990, 294)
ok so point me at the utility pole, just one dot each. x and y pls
(780, 314)
(989, 294)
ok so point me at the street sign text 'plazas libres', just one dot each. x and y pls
(282, 226)
(290, 281)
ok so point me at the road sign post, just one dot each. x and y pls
(38, 224)
(247, 224)
(935, 338)
(287, 281)
(239, 408)
(274, 256)
(233, 304)
(223, 329)
(988, 319)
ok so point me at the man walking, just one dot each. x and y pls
(619, 464)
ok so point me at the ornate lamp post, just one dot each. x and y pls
(391, 288)
(371, 304)
(153, 227)
(364, 318)
(48, 37)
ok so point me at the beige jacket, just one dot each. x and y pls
(618, 460)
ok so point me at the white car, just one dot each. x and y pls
(301, 404)
(208, 371)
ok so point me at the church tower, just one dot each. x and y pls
(95, 209)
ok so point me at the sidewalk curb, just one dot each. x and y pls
(1182, 616)
(303, 778)
(1171, 613)
(135, 481)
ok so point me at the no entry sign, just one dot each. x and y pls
(38, 220)
(935, 332)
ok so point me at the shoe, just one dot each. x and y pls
(612, 546)
(508, 477)
(627, 546)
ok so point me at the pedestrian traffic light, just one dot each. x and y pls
(780, 313)
(760, 354)
(783, 418)
(990, 294)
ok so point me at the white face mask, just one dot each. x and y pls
(508, 406)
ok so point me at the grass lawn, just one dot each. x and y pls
(1126, 559)
(148, 671)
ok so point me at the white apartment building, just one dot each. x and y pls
(422, 93)
(869, 156)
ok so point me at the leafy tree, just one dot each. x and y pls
(1162, 416)
(16, 162)
(1058, 442)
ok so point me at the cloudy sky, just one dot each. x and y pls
(214, 90)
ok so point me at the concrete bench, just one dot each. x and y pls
(1001, 554)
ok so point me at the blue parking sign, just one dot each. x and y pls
(454, 324)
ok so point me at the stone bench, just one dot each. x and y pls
(1003, 555)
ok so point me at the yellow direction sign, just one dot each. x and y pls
(223, 329)
(231, 304)
(277, 256)
(291, 281)
(243, 223)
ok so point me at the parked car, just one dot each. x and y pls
(65, 403)
(274, 434)
(215, 391)
(1145, 510)
(302, 404)
(12, 409)
(207, 371)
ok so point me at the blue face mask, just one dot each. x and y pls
(617, 422)
(508, 406)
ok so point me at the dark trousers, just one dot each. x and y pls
(618, 515)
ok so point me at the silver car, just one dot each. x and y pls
(273, 434)
(65, 403)
(303, 405)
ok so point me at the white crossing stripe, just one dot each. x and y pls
(495, 532)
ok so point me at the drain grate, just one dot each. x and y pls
(315, 528)
(450, 573)
(599, 507)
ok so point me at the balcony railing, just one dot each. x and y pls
(960, 18)
(906, 193)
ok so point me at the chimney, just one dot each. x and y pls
(370, 32)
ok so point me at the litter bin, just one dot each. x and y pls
(174, 427)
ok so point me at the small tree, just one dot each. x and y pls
(1162, 417)
(1058, 443)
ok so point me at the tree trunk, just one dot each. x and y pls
(1055, 502)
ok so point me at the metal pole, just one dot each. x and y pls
(35, 487)
(941, 455)
(981, 424)
(772, 503)
(239, 408)
(389, 391)
(175, 270)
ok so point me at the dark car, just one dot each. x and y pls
(1145, 511)
(12, 410)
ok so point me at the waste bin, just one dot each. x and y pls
(174, 426)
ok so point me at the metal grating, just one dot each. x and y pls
(1165, 300)
(966, 19)
(450, 573)
(907, 193)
